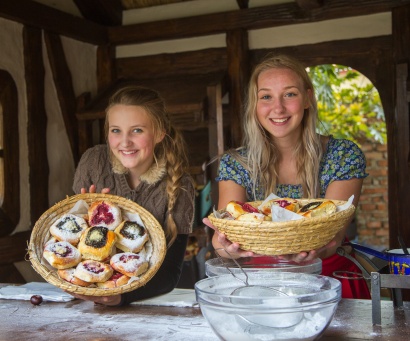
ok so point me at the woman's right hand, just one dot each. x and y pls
(224, 246)
(93, 188)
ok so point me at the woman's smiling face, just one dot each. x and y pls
(131, 137)
(281, 102)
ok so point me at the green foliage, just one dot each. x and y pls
(349, 106)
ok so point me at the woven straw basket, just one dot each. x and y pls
(281, 238)
(40, 235)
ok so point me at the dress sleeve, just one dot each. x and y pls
(230, 169)
(167, 277)
(344, 161)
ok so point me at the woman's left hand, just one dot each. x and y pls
(105, 300)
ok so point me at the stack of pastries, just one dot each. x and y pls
(100, 249)
(252, 212)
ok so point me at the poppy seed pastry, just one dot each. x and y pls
(93, 271)
(97, 243)
(61, 255)
(129, 264)
(131, 236)
(69, 228)
(318, 209)
(104, 213)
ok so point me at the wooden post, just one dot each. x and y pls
(216, 137)
(238, 71)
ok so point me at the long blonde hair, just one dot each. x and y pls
(171, 151)
(262, 159)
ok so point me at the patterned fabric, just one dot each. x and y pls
(342, 160)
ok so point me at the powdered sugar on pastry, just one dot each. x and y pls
(93, 271)
(131, 236)
(61, 255)
(130, 264)
(68, 227)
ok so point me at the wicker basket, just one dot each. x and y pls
(41, 234)
(281, 238)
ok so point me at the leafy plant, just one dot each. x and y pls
(349, 106)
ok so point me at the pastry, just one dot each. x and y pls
(68, 227)
(286, 203)
(318, 209)
(61, 255)
(93, 271)
(97, 243)
(237, 208)
(115, 281)
(68, 275)
(130, 264)
(104, 213)
(131, 236)
(258, 217)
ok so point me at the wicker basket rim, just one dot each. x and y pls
(40, 230)
(277, 224)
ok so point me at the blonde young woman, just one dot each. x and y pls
(145, 161)
(283, 154)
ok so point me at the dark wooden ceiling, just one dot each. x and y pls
(109, 13)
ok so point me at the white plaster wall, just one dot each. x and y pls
(81, 60)
(12, 61)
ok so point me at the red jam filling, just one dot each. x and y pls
(102, 215)
(116, 276)
(247, 207)
(283, 203)
(126, 258)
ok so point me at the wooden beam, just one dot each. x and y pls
(103, 12)
(215, 132)
(64, 86)
(238, 74)
(105, 66)
(10, 207)
(309, 4)
(37, 122)
(252, 18)
(399, 156)
(32, 13)
(171, 65)
(243, 4)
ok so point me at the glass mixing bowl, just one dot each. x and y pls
(300, 306)
(217, 266)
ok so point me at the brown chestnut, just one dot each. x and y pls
(36, 299)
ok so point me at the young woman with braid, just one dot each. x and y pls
(145, 161)
(283, 154)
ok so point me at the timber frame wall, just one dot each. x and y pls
(384, 60)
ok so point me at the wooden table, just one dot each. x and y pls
(79, 320)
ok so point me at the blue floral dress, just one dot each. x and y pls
(342, 160)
